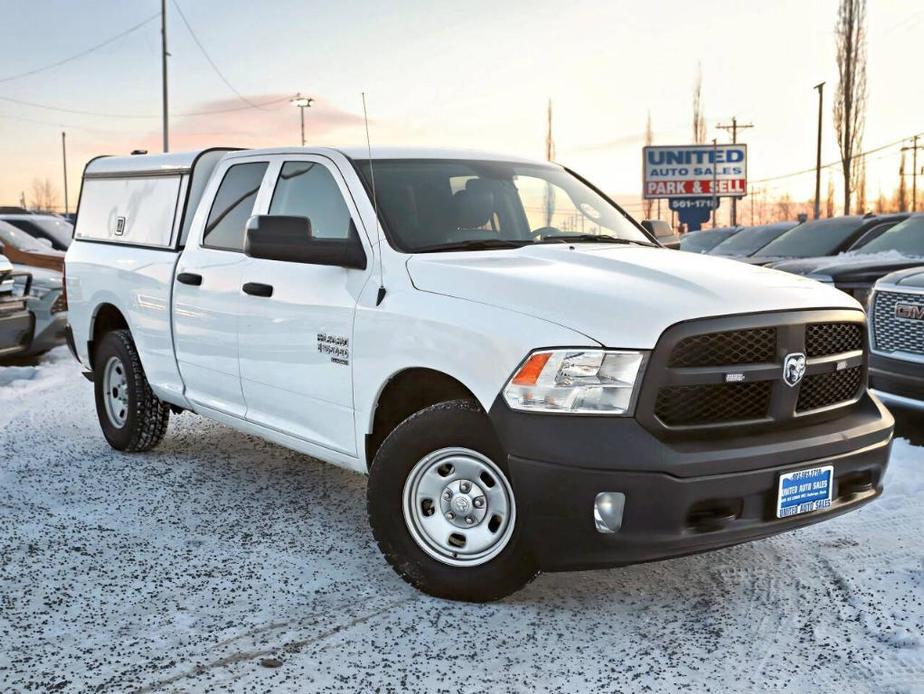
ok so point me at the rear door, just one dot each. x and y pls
(296, 345)
(207, 290)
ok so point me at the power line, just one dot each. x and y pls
(836, 163)
(100, 114)
(210, 61)
(82, 53)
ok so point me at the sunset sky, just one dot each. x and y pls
(473, 74)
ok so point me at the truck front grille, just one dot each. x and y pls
(826, 389)
(723, 349)
(726, 372)
(723, 402)
(894, 334)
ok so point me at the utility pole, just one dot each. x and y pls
(163, 65)
(734, 128)
(715, 197)
(821, 90)
(64, 160)
(914, 171)
(302, 102)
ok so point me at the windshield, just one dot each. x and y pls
(19, 239)
(818, 238)
(58, 231)
(433, 204)
(703, 241)
(907, 238)
(751, 240)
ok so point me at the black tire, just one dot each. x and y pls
(459, 423)
(146, 416)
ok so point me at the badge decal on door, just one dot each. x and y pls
(337, 346)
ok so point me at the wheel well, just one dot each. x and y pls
(107, 319)
(406, 393)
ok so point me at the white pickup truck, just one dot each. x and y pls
(530, 381)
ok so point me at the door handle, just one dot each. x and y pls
(190, 278)
(258, 289)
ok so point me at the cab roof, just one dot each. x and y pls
(184, 162)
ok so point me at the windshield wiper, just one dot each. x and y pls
(591, 238)
(472, 245)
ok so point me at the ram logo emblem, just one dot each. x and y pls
(793, 368)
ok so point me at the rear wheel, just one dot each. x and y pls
(442, 507)
(131, 416)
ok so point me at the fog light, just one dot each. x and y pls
(608, 508)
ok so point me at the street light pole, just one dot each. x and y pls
(163, 65)
(64, 160)
(715, 197)
(302, 102)
(821, 89)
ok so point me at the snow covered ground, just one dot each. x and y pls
(223, 562)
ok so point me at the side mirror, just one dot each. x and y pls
(278, 237)
(657, 228)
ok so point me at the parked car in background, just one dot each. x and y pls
(856, 271)
(896, 319)
(15, 319)
(825, 237)
(707, 239)
(46, 301)
(751, 239)
(20, 247)
(55, 230)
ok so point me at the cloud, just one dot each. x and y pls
(229, 122)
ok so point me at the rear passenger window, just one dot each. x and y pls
(233, 206)
(306, 189)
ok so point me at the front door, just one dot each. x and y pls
(296, 344)
(207, 293)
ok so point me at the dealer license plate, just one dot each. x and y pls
(804, 491)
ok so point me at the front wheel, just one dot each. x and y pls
(131, 416)
(442, 507)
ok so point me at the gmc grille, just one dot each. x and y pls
(703, 374)
(893, 334)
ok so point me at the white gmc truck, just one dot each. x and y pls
(530, 381)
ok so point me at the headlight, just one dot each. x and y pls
(576, 381)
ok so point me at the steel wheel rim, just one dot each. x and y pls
(459, 507)
(115, 392)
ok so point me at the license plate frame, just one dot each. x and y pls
(800, 499)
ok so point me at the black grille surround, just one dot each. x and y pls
(724, 375)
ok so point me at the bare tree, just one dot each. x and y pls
(649, 140)
(784, 206)
(699, 120)
(901, 195)
(829, 201)
(850, 96)
(861, 185)
(882, 205)
(44, 195)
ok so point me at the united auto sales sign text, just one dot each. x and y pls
(688, 171)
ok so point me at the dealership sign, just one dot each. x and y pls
(695, 171)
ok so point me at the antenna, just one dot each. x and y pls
(375, 206)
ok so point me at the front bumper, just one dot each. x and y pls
(681, 498)
(897, 382)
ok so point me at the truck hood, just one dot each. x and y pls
(620, 296)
